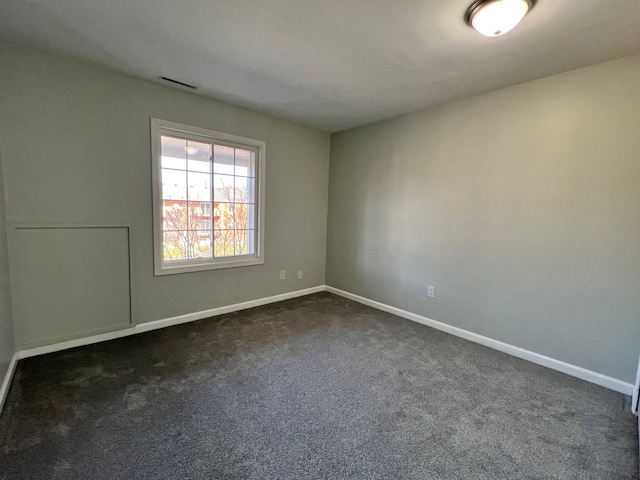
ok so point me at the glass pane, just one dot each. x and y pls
(223, 159)
(244, 242)
(174, 184)
(224, 216)
(199, 244)
(245, 190)
(198, 220)
(218, 210)
(205, 208)
(223, 188)
(174, 246)
(199, 155)
(250, 216)
(199, 186)
(174, 215)
(241, 217)
(173, 152)
(245, 163)
(224, 243)
(175, 163)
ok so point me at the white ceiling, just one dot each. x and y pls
(329, 64)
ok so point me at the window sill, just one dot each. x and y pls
(161, 270)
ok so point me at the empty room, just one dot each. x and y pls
(295, 239)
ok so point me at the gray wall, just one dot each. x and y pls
(529, 231)
(7, 345)
(521, 207)
(76, 148)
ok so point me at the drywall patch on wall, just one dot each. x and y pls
(69, 281)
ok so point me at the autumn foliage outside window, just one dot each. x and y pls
(208, 200)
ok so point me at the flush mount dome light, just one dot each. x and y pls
(496, 17)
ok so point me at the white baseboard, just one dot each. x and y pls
(6, 382)
(190, 317)
(573, 370)
(166, 322)
(635, 396)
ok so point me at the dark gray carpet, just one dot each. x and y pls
(317, 387)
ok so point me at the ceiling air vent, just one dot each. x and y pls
(166, 79)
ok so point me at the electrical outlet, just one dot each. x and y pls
(299, 274)
(282, 274)
(431, 292)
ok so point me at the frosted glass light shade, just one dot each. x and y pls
(496, 17)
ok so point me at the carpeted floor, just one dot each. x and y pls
(317, 387)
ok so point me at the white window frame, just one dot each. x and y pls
(163, 127)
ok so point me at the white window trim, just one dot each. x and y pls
(160, 127)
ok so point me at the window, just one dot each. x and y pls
(208, 199)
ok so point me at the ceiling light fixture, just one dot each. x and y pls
(496, 17)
